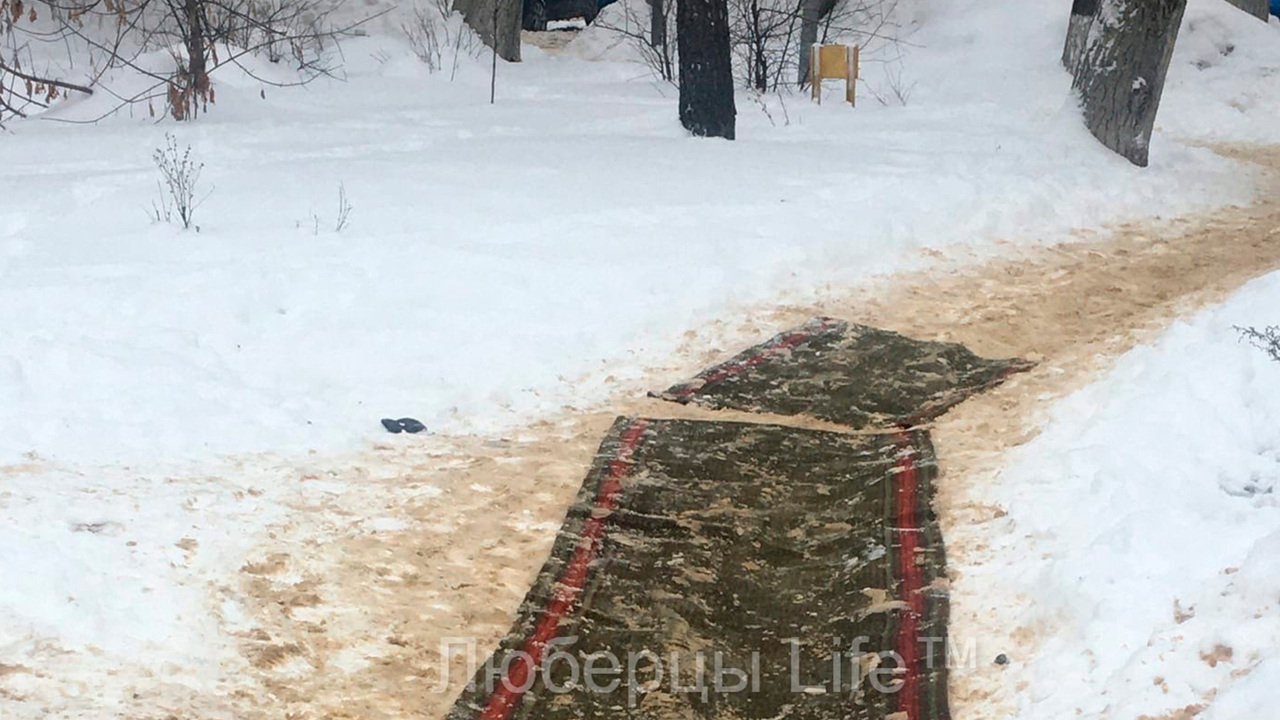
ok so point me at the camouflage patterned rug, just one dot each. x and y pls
(734, 570)
(848, 374)
(750, 571)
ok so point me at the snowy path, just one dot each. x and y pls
(1076, 309)
(255, 546)
(372, 560)
(356, 623)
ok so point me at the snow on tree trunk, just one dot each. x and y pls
(1122, 68)
(1260, 9)
(1082, 14)
(480, 16)
(706, 76)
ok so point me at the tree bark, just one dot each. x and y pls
(759, 64)
(810, 15)
(1121, 71)
(479, 15)
(1082, 15)
(1260, 9)
(195, 43)
(657, 23)
(193, 85)
(706, 77)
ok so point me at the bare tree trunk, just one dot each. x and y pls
(1121, 72)
(479, 15)
(1082, 14)
(759, 64)
(197, 74)
(190, 84)
(706, 76)
(657, 23)
(810, 16)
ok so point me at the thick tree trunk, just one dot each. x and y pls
(1260, 9)
(1082, 14)
(479, 15)
(706, 77)
(1122, 69)
(657, 23)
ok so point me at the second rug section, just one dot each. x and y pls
(804, 563)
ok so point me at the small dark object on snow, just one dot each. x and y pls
(1002, 659)
(410, 425)
(406, 424)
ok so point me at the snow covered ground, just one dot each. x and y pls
(159, 389)
(572, 226)
(1142, 542)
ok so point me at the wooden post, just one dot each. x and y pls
(493, 71)
(851, 87)
(815, 72)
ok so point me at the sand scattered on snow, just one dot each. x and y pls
(379, 604)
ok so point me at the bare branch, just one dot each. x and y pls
(44, 81)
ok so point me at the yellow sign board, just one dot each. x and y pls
(834, 62)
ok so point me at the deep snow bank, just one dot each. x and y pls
(1143, 530)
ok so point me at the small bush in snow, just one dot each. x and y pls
(763, 103)
(439, 37)
(896, 90)
(344, 209)
(1267, 339)
(342, 220)
(179, 176)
